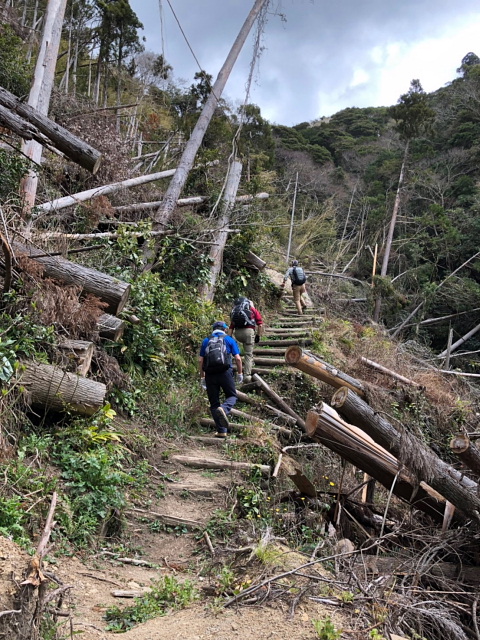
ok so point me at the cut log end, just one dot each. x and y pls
(293, 354)
(311, 423)
(459, 443)
(339, 397)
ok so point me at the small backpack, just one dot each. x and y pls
(241, 314)
(298, 276)
(216, 358)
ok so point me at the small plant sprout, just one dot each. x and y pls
(325, 629)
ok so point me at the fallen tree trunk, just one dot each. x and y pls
(389, 372)
(421, 460)
(53, 389)
(466, 451)
(311, 364)
(358, 448)
(182, 202)
(108, 289)
(204, 463)
(278, 400)
(71, 146)
(110, 327)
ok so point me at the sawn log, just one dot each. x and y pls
(358, 448)
(468, 453)
(420, 459)
(314, 366)
(53, 389)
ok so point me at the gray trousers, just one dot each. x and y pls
(246, 336)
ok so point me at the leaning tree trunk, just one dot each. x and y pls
(52, 389)
(108, 289)
(356, 447)
(311, 364)
(207, 290)
(419, 458)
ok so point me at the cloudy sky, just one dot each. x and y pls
(319, 56)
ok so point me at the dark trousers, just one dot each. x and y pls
(217, 382)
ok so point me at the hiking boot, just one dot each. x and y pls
(221, 417)
(222, 434)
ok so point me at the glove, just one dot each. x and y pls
(257, 338)
(239, 378)
(203, 384)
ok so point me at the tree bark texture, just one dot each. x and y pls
(311, 364)
(53, 389)
(49, 132)
(355, 446)
(468, 453)
(108, 289)
(419, 458)
(207, 290)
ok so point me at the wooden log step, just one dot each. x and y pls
(273, 411)
(296, 318)
(198, 488)
(295, 324)
(287, 331)
(235, 426)
(287, 342)
(170, 521)
(269, 352)
(263, 371)
(270, 362)
(222, 465)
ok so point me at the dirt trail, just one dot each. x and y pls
(194, 495)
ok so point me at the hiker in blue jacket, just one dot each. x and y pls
(216, 373)
(298, 278)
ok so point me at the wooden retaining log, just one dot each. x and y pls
(110, 327)
(287, 332)
(269, 352)
(79, 350)
(358, 448)
(108, 289)
(53, 389)
(205, 463)
(269, 362)
(468, 453)
(311, 364)
(450, 483)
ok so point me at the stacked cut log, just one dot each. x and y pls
(314, 366)
(427, 466)
(111, 290)
(53, 389)
(79, 351)
(355, 446)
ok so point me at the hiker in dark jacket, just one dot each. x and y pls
(298, 278)
(247, 323)
(216, 373)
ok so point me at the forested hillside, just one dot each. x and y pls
(106, 297)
